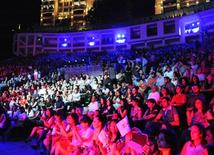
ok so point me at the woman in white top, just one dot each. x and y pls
(100, 137)
(85, 137)
(69, 143)
(196, 144)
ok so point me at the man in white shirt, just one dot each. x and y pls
(93, 105)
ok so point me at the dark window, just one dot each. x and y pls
(47, 14)
(169, 27)
(78, 18)
(168, 2)
(171, 41)
(107, 39)
(30, 40)
(78, 44)
(152, 30)
(135, 33)
(78, 12)
(66, 9)
(172, 8)
(192, 39)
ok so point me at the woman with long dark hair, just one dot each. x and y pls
(196, 144)
(167, 145)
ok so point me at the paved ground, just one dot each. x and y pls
(17, 148)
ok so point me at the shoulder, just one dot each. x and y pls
(187, 145)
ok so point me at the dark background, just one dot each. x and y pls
(27, 13)
(13, 13)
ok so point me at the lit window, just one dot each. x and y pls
(120, 38)
(193, 27)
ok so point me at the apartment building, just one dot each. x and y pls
(163, 6)
(65, 12)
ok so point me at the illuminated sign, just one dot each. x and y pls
(193, 27)
(120, 38)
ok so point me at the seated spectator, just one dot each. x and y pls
(93, 105)
(136, 112)
(102, 104)
(168, 114)
(195, 80)
(196, 94)
(167, 145)
(109, 108)
(116, 100)
(208, 150)
(196, 143)
(53, 135)
(124, 109)
(185, 84)
(100, 138)
(208, 87)
(198, 114)
(169, 85)
(69, 143)
(210, 135)
(152, 110)
(210, 113)
(13, 115)
(164, 92)
(84, 136)
(176, 77)
(40, 131)
(168, 72)
(159, 79)
(200, 75)
(22, 117)
(3, 120)
(114, 138)
(154, 94)
(76, 97)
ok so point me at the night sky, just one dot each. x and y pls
(27, 13)
(13, 13)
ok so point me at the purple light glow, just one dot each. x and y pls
(120, 38)
(193, 27)
(91, 43)
(64, 44)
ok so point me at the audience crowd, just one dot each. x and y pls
(162, 97)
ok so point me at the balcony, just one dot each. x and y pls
(79, 7)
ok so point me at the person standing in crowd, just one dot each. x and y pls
(128, 73)
(35, 75)
(179, 101)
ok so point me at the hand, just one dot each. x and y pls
(146, 149)
(163, 126)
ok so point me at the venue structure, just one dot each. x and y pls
(171, 31)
